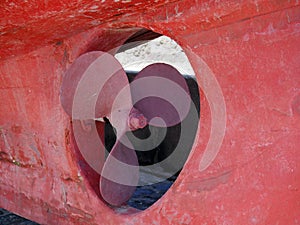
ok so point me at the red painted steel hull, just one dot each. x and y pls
(251, 48)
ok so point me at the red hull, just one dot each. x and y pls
(246, 57)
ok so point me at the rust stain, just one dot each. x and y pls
(67, 137)
(5, 158)
(16, 129)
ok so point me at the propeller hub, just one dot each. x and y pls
(136, 120)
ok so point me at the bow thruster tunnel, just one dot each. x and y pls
(243, 166)
(151, 113)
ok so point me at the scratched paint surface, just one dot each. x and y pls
(28, 25)
(252, 48)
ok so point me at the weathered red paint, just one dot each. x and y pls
(252, 47)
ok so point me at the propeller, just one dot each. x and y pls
(96, 86)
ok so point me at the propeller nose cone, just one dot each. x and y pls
(136, 120)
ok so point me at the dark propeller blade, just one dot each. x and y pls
(120, 173)
(160, 92)
(91, 85)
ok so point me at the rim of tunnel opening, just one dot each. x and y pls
(139, 40)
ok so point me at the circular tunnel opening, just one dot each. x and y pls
(161, 124)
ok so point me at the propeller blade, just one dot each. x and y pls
(160, 92)
(91, 84)
(120, 173)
